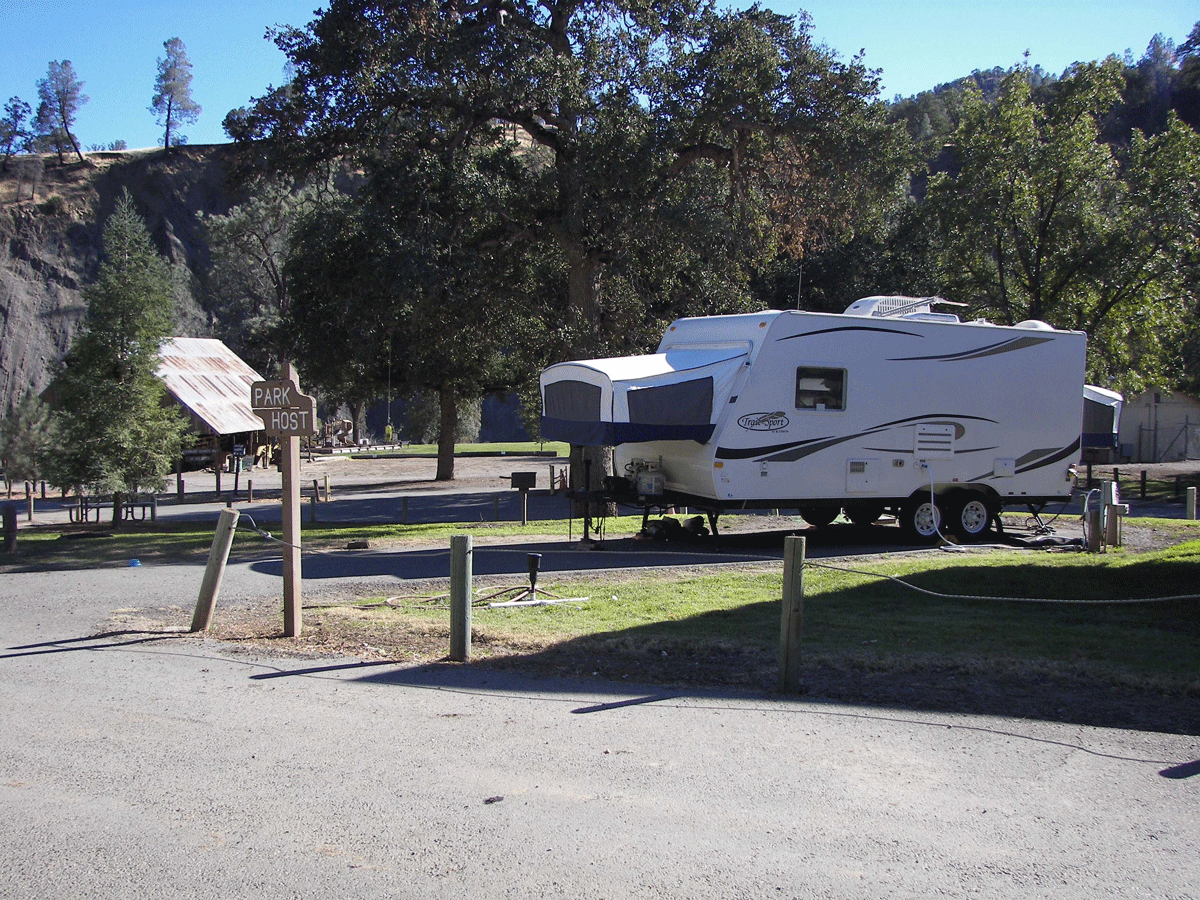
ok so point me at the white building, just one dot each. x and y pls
(1160, 426)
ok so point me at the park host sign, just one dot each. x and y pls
(284, 410)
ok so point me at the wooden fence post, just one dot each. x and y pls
(460, 597)
(791, 626)
(215, 570)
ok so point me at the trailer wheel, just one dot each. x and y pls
(819, 516)
(863, 514)
(921, 518)
(970, 516)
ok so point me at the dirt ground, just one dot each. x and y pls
(364, 628)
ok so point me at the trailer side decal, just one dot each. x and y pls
(879, 330)
(1036, 459)
(1009, 346)
(799, 449)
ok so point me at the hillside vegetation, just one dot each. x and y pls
(50, 226)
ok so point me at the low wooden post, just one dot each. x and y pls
(1113, 514)
(249, 490)
(460, 597)
(326, 488)
(791, 625)
(215, 570)
(1093, 529)
(312, 507)
(1191, 503)
(1143, 484)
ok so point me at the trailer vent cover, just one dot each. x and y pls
(934, 442)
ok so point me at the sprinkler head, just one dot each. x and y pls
(535, 560)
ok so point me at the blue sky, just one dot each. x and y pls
(114, 46)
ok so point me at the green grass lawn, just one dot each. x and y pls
(945, 607)
(866, 616)
(498, 449)
(83, 547)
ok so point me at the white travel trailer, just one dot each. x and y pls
(889, 406)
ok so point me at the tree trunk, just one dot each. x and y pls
(117, 497)
(448, 404)
(589, 467)
(356, 412)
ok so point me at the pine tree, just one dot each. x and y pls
(172, 101)
(114, 432)
(23, 440)
(61, 94)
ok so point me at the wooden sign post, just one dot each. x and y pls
(288, 415)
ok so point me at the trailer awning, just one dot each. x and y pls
(672, 396)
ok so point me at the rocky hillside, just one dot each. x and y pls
(51, 219)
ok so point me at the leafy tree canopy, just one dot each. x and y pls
(1045, 221)
(616, 103)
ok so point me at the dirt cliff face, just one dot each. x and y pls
(51, 221)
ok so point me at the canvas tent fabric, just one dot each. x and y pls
(211, 383)
(672, 396)
(1101, 416)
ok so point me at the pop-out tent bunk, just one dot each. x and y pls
(672, 396)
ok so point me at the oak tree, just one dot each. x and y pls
(651, 125)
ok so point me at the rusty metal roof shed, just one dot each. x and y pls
(211, 382)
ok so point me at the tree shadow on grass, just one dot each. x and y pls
(881, 644)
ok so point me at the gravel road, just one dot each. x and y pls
(138, 764)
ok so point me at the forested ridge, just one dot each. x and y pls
(443, 204)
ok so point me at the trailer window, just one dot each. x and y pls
(574, 401)
(820, 388)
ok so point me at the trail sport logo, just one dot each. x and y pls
(772, 421)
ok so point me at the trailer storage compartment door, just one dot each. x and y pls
(672, 396)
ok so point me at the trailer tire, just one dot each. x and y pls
(971, 515)
(819, 516)
(922, 518)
